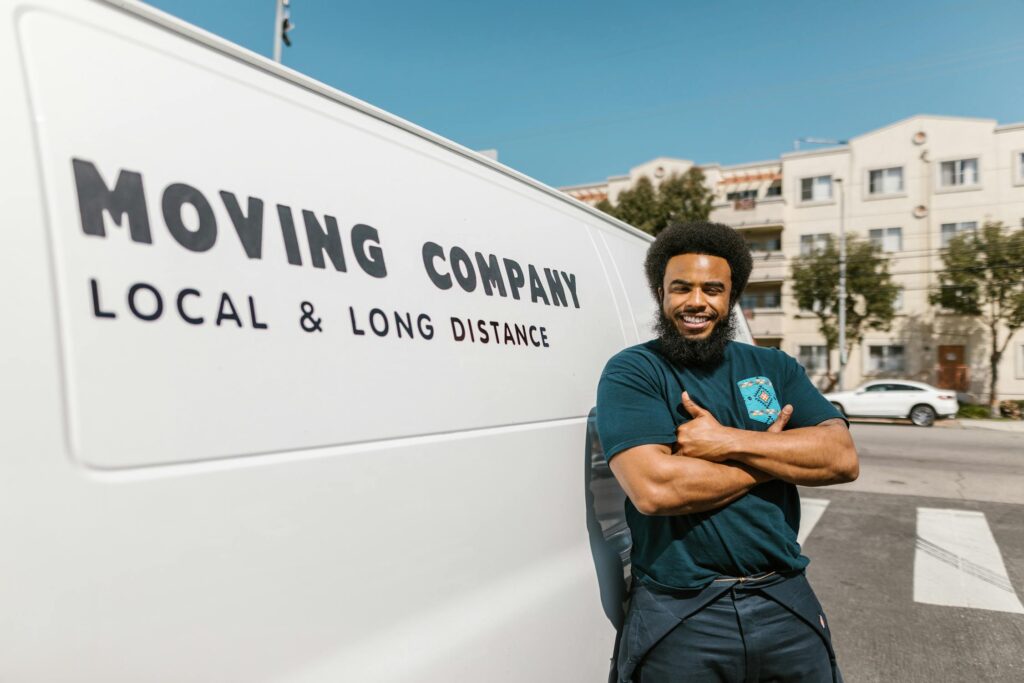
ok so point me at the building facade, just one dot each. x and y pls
(909, 187)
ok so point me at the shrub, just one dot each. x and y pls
(973, 412)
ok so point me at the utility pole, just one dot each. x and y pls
(842, 283)
(282, 24)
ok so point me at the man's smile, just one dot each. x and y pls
(695, 322)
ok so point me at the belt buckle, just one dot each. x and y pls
(745, 579)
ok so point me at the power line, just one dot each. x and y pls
(1016, 266)
(929, 288)
(924, 254)
(895, 254)
(783, 224)
(873, 77)
(985, 171)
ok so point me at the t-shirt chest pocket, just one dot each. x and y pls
(760, 399)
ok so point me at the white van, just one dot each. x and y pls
(292, 389)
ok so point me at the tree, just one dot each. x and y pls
(638, 206)
(870, 293)
(983, 277)
(679, 198)
(684, 198)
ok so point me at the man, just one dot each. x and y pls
(692, 426)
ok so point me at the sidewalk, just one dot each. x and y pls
(956, 423)
(996, 425)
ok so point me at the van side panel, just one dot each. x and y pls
(215, 227)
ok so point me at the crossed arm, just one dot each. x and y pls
(711, 465)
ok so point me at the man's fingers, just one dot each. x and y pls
(782, 419)
(692, 408)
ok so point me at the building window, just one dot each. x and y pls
(959, 173)
(885, 181)
(765, 243)
(761, 299)
(887, 239)
(741, 194)
(813, 244)
(742, 200)
(897, 303)
(817, 189)
(813, 358)
(951, 230)
(886, 359)
(775, 189)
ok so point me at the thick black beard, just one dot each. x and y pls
(703, 354)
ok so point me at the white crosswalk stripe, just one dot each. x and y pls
(957, 562)
(811, 510)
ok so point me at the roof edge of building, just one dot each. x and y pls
(751, 164)
(907, 119)
(838, 149)
(584, 186)
(1010, 126)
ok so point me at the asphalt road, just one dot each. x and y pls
(864, 548)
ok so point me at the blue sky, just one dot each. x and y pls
(571, 92)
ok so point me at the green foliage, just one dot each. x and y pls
(974, 412)
(870, 292)
(684, 198)
(678, 198)
(983, 277)
(639, 206)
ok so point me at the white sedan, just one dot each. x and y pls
(919, 402)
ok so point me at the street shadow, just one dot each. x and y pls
(923, 336)
(610, 540)
(917, 334)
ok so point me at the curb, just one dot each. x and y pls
(1011, 426)
(1006, 426)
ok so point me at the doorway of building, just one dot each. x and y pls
(952, 369)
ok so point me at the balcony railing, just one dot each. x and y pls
(749, 213)
(765, 322)
(769, 266)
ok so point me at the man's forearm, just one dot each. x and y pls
(811, 456)
(698, 485)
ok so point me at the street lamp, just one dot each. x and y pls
(842, 284)
(282, 24)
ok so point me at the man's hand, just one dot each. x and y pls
(781, 420)
(659, 483)
(704, 437)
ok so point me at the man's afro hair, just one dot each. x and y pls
(699, 237)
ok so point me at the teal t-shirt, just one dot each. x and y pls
(639, 401)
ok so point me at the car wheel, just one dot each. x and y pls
(922, 415)
(839, 407)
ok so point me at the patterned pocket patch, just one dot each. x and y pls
(760, 399)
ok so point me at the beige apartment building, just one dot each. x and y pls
(910, 187)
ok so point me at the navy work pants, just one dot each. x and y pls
(763, 630)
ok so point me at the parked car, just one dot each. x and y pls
(919, 402)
